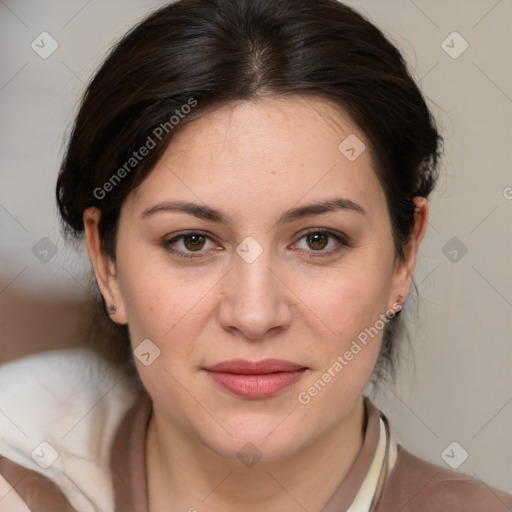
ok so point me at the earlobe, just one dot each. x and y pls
(104, 267)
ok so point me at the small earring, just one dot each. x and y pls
(395, 308)
(112, 310)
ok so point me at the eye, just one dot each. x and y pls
(194, 244)
(323, 242)
(185, 245)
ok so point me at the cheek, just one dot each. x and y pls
(157, 300)
(169, 313)
(352, 299)
(349, 306)
(350, 312)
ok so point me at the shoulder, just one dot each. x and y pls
(60, 413)
(415, 485)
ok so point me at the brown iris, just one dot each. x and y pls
(193, 242)
(317, 241)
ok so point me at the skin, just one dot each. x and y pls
(253, 161)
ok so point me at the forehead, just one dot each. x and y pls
(265, 153)
(285, 126)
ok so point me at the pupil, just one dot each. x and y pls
(316, 239)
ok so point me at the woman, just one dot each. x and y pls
(252, 181)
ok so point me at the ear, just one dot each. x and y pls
(404, 270)
(104, 267)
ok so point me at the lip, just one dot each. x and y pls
(258, 379)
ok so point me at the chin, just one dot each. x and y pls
(254, 437)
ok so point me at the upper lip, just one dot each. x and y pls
(264, 366)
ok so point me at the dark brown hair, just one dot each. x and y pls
(205, 53)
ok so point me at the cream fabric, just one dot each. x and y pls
(72, 400)
(364, 498)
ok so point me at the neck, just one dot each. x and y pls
(185, 475)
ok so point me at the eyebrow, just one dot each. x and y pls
(207, 213)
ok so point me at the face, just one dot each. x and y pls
(256, 238)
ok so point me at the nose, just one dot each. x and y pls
(255, 299)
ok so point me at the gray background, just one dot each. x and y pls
(456, 384)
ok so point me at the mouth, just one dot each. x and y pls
(260, 379)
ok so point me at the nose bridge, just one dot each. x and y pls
(252, 264)
(253, 278)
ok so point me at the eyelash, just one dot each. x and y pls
(341, 239)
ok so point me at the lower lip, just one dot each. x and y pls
(256, 386)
